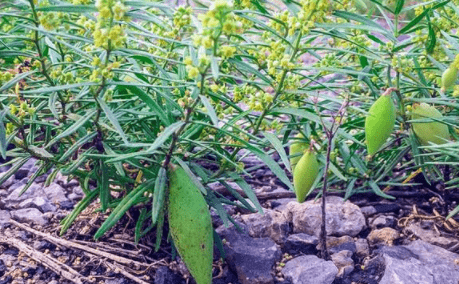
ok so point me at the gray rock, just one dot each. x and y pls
(4, 218)
(343, 261)
(419, 262)
(309, 269)
(41, 178)
(383, 221)
(55, 193)
(29, 215)
(163, 275)
(301, 243)
(16, 184)
(64, 181)
(41, 203)
(118, 280)
(337, 244)
(281, 204)
(7, 183)
(42, 245)
(216, 219)
(27, 168)
(430, 236)
(3, 192)
(362, 249)
(342, 218)
(251, 259)
(4, 168)
(368, 211)
(385, 236)
(13, 199)
(272, 224)
(78, 191)
(74, 197)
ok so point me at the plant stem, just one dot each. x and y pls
(188, 112)
(42, 60)
(279, 87)
(323, 229)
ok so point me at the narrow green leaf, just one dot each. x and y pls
(3, 144)
(247, 190)
(399, 6)
(104, 194)
(279, 148)
(76, 146)
(378, 191)
(275, 168)
(18, 164)
(165, 135)
(68, 8)
(37, 173)
(413, 22)
(112, 119)
(210, 110)
(40, 152)
(79, 123)
(159, 229)
(139, 224)
(127, 202)
(214, 67)
(192, 176)
(159, 195)
(78, 209)
(15, 80)
(118, 166)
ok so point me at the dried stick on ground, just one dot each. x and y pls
(60, 268)
(117, 269)
(67, 243)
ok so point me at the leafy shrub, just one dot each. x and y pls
(110, 93)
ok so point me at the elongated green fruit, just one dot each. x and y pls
(448, 78)
(190, 225)
(305, 174)
(296, 150)
(435, 132)
(380, 122)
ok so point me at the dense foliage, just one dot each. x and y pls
(110, 93)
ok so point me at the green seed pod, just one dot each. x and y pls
(379, 123)
(448, 78)
(296, 149)
(435, 132)
(305, 174)
(190, 225)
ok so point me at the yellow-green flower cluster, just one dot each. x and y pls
(23, 110)
(182, 17)
(218, 20)
(52, 20)
(254, 98)
(101, 70)
(88, 24)
(5, 77)
(108, 34)
(81, 2)
(402, 64)
(62, 77)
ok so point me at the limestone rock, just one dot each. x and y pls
(309, 269)
(343, 261)
(272, 224)
(29, 215)
(252, 259)
(301, 243)
(385, 235)
(419, 262)
(342, 218)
